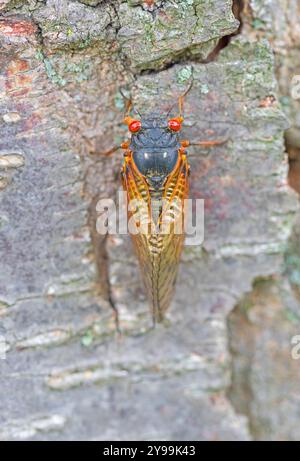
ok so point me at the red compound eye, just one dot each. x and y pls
(135, 126)
(174, 124)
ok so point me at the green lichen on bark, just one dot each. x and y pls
(180, 28)
(74, 25)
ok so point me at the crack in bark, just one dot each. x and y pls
(102, 262)
(239, 392)
(292, 253)
(294, 167)
(237, 8)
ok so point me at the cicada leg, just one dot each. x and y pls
(124, 146)
(111, 151)
(209, 143)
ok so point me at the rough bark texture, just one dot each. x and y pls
(220, 368)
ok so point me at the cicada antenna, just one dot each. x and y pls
(128, 105)
(181, 100)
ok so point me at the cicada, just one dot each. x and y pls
(155, 177)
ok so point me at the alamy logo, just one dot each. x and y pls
(3, 348)
(177, 217)
(296, 347)
(295, 87)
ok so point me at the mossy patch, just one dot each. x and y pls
(184, 74)
(87, 339)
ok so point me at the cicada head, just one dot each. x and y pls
(154, 145)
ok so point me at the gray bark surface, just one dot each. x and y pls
(218, 367)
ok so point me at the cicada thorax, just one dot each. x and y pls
(155, 177)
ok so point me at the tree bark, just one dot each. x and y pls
(218, 368)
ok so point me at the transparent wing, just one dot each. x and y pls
(158, 245)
